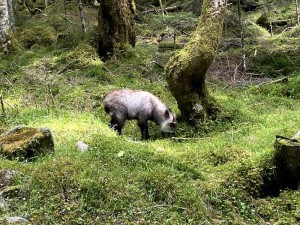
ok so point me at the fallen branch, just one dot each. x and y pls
(156, 63)
(168, 9)
(107, 70)
(255, 74)
(281, 80)
(285, 138)
(185, 139)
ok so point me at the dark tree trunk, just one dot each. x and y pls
(116, 26)
(186, 72)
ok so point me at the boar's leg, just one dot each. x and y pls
(144, 130)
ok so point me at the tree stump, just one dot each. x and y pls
(287, 161)
(26, 143)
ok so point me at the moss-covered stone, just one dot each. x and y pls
(287, 161)
(26, 143)
(6, 178)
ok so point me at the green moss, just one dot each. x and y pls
(164, 46)
(229, 154)
(275, 56)
(80, 57)
(252, 30)
(263, 20)
(288, 89)
(25, 142)
(40, 35)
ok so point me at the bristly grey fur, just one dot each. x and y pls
(126, 104)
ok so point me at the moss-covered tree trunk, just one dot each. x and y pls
(186, 71)
(116, 26)
(287, 162)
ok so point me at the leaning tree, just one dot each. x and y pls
(186, 71)
(116, 26)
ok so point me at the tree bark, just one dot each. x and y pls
(244, 66)
(11, 16)
(4, 25)
(116, 26)
(186, 71)
(287, 161)
(83, 24)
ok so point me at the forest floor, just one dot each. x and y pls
(220, 174)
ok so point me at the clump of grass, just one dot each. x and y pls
(82, 56)
(231, 153)
(254, 31)
(276, 56)
(36, 36)
(289, 89)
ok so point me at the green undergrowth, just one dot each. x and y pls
(289, 89)
(218, 178)
(220, 174)
(276, 56)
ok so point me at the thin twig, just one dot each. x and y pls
(107, 70)
(281, 80)
(2, 106)
(156, 63)
(185, 139)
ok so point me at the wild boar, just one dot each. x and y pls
(126, 104)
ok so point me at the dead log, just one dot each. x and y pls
(168, 9)
(281, 80)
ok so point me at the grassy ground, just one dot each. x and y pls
(217, 178)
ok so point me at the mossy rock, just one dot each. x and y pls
(26, 143)
(8, 189)
(287, 161)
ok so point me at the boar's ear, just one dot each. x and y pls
(167, 114)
